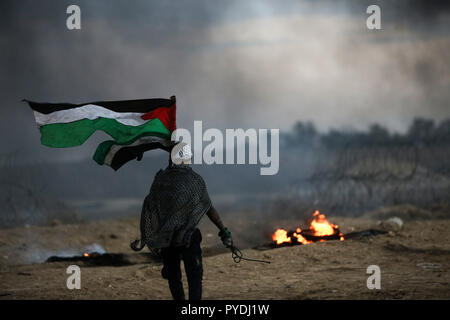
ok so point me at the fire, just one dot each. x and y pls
(319, 227)
(86, 255)
(280, 236)
(300, 238)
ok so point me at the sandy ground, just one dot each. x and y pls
(414, 263)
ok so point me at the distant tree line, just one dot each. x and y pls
(420, 132)
(351, 172)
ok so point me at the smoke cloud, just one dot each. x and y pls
(260, 64)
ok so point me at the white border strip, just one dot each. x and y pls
(91, 112)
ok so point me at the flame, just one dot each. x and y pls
(86, 255)
(300, 238)
(321, 226)
(280, 236)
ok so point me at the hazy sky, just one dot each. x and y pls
(254, 63)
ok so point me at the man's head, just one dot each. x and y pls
(181, 154)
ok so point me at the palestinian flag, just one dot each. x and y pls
(135, 125)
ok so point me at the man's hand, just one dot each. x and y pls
(225, 236)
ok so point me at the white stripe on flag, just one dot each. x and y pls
(91, 112)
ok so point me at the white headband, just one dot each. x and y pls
(181, 153)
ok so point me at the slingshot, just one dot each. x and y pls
(238, 256)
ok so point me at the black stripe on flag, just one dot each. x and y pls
(140, 106)
(126, 154)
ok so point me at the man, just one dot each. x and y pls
(177, 201)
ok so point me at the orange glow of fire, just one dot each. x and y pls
(86, 255)
(300, 238)
(280, 236)
(320, 227)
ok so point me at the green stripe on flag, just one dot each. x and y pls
(102, 151)
(63, 135)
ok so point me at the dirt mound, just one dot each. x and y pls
(414, 264)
